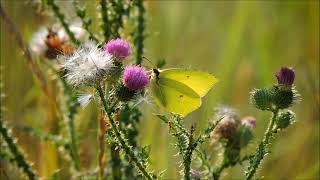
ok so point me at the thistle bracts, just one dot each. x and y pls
(233, 134)
(275, 99)
(284, 119)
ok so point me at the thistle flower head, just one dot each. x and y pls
(87, 65)
(118, 48)
(285, 76)
(249, 121)
(135, 77)
(228, 124)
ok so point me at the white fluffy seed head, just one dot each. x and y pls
(84, 99)
(87, 65)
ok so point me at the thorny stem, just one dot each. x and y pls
(105, 20)
(119, 138)
(33, 66)
(261, 149)
(61, 17)
(139, 37)
(217, 173)
(16, 152)
(86, 21)
(188, 155)
(35, 69)
(71, 106)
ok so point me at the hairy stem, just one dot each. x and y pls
(35, 69)
(188, 155)
(217, 173)
(120, 140)
(56, 10)
(71, 107)
(139, 35)
(105, 20)
(86, 21)
(116, 162)
(16, 152)
(261, 149)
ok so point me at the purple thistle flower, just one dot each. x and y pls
(285, 76)
(249, 121)
(118, 48)
(135, 77)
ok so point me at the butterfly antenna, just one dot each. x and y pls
(149, 61)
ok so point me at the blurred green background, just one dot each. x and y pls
(243, 43)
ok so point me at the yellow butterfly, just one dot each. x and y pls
(180, 91)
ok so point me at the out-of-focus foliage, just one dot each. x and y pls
(242, 42)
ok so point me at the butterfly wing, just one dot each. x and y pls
(175, 96)
(199, 81)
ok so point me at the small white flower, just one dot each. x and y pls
(84, 99)
(87, 65)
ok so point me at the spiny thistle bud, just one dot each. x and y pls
(228, 125)
(118, 48)
(283, 97)
(284, 119)
(244, 132)
(262, 98)
(124, 94)
(285, 76)
(249, 121)
(135, 77)
(245, 135)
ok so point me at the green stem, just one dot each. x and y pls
(61, 17)
(187, 160)
(116, 162)
(16, 152)
(86, 21)
(139, 38)
(217, 173)
(261, 149)
(71, 107)
(119, 138)
(105, 20)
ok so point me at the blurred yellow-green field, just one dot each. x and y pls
(243, 43)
